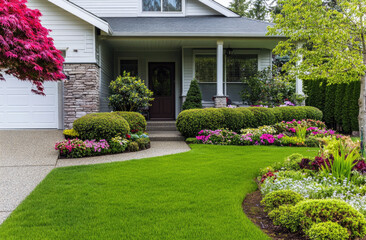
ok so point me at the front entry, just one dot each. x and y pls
(161, 82)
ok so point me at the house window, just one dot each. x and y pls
(205, 72)
(130, 66)
(237, 67)
(162, 5)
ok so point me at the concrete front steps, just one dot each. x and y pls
(163, 131)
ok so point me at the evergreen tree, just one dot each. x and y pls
(194, 96)
(330, 105)
(338, 104)
(354, 105)
(259, 10)
(346, 102)
(240, 7)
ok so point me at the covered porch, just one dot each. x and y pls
(169, 65)
(218, 52)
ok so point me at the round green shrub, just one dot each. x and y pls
(101, 126)
(327, 231)
(286, 216)
(133, 147)
(143, 143)
(262, 116)
(191, 141)
(313, 113)
(324, 210)
(135, 120)
(292, 161)
(190, 122)
(278, 114)
(290, 113)
(234, 120)
(281, 197)
(70, 133)
(248, 117)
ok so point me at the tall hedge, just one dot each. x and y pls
(329, 106)
(354, 107)
(190, 122)
(346, 117)
(338, 102)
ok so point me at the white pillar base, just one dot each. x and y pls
(220, 101)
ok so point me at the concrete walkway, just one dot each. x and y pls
(27, 156)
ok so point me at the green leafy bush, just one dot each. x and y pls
(133, 147)
(286, 216)
(311, 142)
(190, 122)
(192, 141)
(354, 108)
(263, 116)
(143, 143)
(101, 126)
(194, 96)
(312, 113)
(234, 120)
(118, 144)
(328, 231)
(70, 133)
(292, 161)
(129, 94)
(135, 120)
(281, 197)
(323, 210)
(248, 117)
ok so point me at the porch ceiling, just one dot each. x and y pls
(128, 44)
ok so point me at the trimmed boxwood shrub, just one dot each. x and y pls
(133, 147)
(323, 210)
(190, 122)
(136, 121)
(101, 126)
(263, 116)
(286, 216)
(143, 143)
(248, 117)
(328, 231)
(281, 197)
(234, 120)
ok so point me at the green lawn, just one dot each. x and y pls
(193, 195)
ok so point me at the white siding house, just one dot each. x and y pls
(166, 46)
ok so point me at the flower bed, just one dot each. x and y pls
(77, 148)
(326, 192)
(306, 133)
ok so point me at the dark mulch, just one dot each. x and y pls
(253, 209)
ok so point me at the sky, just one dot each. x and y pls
(226, 3)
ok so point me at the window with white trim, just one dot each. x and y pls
(236, 68)
(162, 5)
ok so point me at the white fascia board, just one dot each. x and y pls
(179, 34)
(83, 14)
(219, 8)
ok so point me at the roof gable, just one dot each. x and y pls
(82, 14)
(219, 8)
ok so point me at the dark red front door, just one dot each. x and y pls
(161, 82)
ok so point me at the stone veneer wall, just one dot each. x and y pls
(81, 91)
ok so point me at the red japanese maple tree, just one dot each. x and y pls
(26, 50)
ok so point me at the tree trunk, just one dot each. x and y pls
(362, 106)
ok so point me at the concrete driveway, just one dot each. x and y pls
(26, 157)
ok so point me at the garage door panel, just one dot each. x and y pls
(20, 108)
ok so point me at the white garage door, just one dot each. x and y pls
(20, 108)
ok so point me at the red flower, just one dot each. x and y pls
(128, 136)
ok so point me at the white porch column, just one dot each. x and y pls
(299, 86)
(220, 69)
(220, 98)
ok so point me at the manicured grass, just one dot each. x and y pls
(193, 195)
